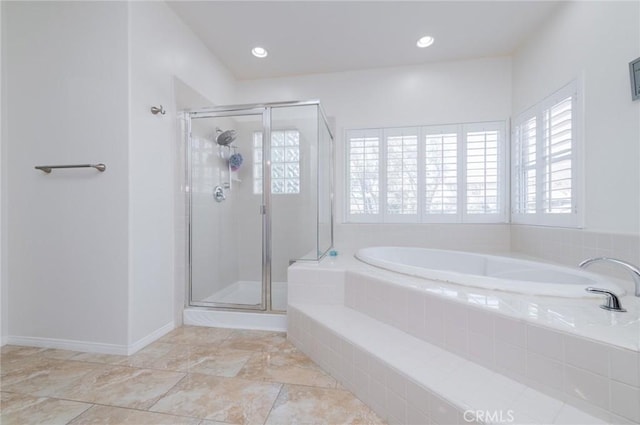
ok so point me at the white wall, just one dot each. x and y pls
(3, 206)
(595, 40)
(161, 48)
(452, 92)
(66, 100)
(92, 255)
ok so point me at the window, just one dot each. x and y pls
(544, 166)
(449, 173)
(364, 173)
(401, 172)
(441, 171)
(285, 162)
(483, 167)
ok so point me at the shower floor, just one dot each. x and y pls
(250, 292)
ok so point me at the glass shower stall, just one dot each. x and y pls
(259, 195)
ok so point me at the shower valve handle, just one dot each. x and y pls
(218, 194)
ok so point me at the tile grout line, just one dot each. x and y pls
(139, 410)
(160, 397)
(266, 418)
(81, 413)
(92, 404)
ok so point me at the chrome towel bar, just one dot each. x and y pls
(47, 168)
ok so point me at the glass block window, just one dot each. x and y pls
(285, 162)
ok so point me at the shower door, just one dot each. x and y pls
(260, 198)
(227, 225)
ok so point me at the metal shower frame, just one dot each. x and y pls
(263, 109)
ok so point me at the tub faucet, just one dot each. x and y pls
(612, 303)
(635, 272)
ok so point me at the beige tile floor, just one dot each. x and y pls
(194, 375)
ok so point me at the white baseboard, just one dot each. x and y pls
(67, 344)
(90, 347)
(153, 336)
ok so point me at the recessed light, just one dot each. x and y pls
(425, 41)
(259, 52)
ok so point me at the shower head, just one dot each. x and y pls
(225, 138)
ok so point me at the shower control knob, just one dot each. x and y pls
(218, 194)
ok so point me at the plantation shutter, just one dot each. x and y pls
(544, 162)
(452, 173)
(557, 157)
(484, 145)
(525, 167)
(441, 170)
(401, 164)
(363, 159)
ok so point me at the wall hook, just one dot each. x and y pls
(155, 110)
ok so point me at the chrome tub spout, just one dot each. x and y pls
(635, 272)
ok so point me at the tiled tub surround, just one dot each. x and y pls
(555, 353)
(571, 246)
(409, 381)
(489, 238)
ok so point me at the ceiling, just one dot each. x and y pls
(308, 37)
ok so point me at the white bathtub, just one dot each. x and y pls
(487, 271)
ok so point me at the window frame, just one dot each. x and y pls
(421, 216)
(574, 219)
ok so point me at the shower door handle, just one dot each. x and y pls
(263, 209)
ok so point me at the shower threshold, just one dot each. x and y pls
(244, 292)
(250, 293)
(202, 316)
